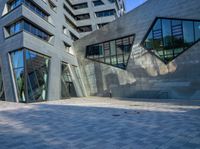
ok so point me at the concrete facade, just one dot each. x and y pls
(54, 48)
(146, 76)
(93, 21)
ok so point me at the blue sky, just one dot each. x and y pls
(131, 4)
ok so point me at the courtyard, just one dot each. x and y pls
(101, 123)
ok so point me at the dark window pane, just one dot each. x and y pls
(19, 77)
(197, 30)
(36, 74)
(17, 59)
(113, 60)
(31, 5)
(26, 26)
(167, 34)
(37, 70)
(188, 33)
(168, 38)
(112, 48)
(114, 52)
(67, 86)
(149, 41)
(157, 25)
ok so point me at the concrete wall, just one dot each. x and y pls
(146, 76)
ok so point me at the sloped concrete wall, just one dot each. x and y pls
(146, 76)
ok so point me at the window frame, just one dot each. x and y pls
(116, 55)
(142, 44)
(25, 78)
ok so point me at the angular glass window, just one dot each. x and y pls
(168, 38)
(31, 75)
(114, 52)
(67, 86)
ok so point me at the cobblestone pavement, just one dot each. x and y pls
(100, 123)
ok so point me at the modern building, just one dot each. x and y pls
(85, 16)
(36, 60)
(151, 52)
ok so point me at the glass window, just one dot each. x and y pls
(17, 27)
(112, 48)
(114, 52)
(80, 6)
(197, 30)
(105, 13)
(27, 27)
(157, 25)
(167, 34)
(85, 28)
(67, 86)
(37, 71)
(2, 96)
(168, 38)
(98, 3)
(149, 41)
(188, 32)
(17, 59)
(19, 77)
(24, 25)
(35, 75)
(30, 4)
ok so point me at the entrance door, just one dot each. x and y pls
(67, 86)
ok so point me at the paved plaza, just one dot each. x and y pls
(100, 123)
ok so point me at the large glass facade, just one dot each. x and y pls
(115, 52)
(168, 38)
(31, 75)
(67, 86)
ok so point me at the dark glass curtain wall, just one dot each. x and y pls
(31, 75)
(67, 86)
(115, 52)
(168, 38)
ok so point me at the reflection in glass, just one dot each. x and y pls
(32, 81)
(29, 27)
(188, 33)
(168, 38)
(67, 86)
(19, 76)
(30, 4)
(197, 30)
(114, 52)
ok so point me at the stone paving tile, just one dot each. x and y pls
(100, 123)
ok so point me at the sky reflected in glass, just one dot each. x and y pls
(131, 4)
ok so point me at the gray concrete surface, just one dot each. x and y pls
(146, 76)
(100, 123)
